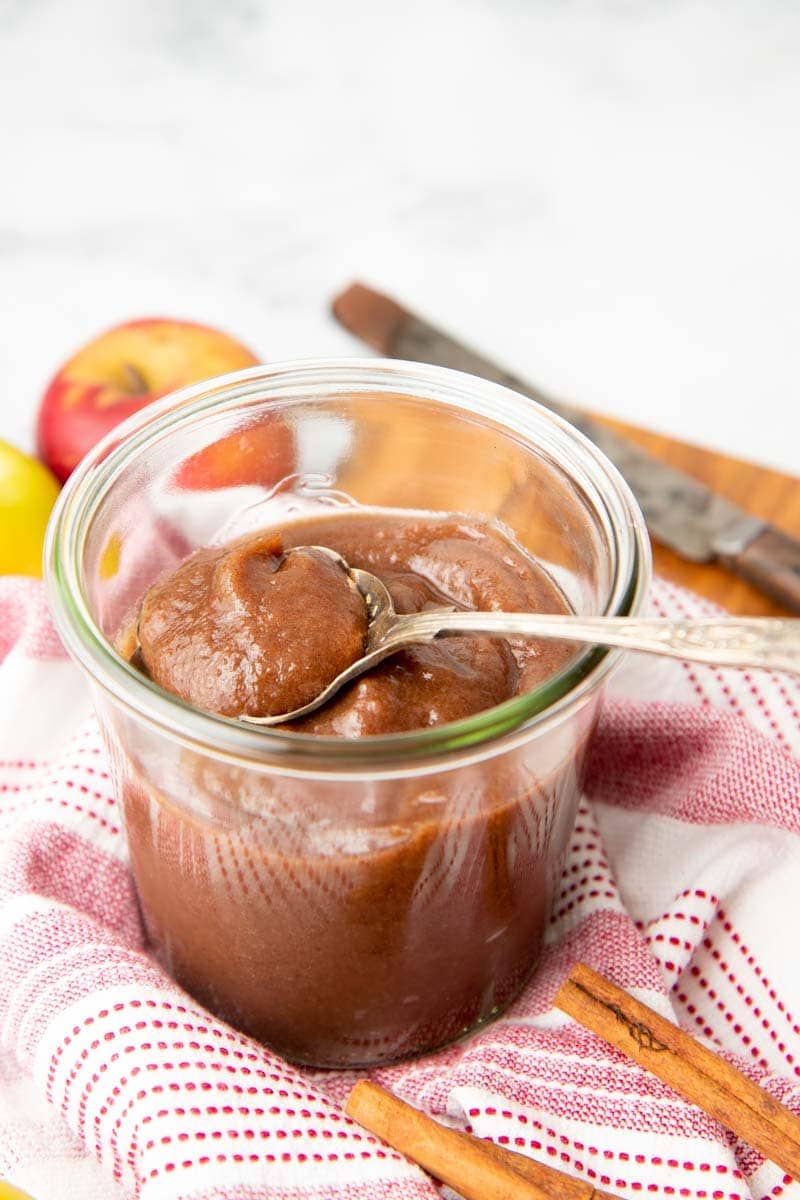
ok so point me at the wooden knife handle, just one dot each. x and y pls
(771, 562)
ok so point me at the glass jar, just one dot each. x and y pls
(348, 902)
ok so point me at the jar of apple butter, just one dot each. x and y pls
(375, 880)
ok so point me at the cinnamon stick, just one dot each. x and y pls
(689, 1067)
(476, 1169)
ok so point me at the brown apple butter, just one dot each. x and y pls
(342, 924)
(248, 629)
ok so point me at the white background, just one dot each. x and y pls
(604, 196)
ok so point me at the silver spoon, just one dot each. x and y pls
(769, 642)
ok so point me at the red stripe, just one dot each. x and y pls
(694, 765)
(26, 625)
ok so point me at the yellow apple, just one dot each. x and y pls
(8, 1192)
(27, 494)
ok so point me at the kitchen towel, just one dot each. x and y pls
(682, 884)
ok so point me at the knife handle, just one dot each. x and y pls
(771, 561)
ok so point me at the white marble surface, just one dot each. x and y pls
(605, 196)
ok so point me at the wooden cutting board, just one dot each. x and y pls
(764, 493)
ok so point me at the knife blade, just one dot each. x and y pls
(681, 512)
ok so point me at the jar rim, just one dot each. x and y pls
(492, 730)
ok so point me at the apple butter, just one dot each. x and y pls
(249, 629)
(344, 926)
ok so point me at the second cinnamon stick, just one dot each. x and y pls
(689, 1067)
(478, 1170)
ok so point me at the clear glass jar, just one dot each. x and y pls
(349, 902)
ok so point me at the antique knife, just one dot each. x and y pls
(681, 512)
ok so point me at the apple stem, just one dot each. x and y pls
(135, 379)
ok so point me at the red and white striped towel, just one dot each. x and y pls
(682, 884)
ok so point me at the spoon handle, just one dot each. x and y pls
(769, 642)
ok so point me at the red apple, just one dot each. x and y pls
(120, 372)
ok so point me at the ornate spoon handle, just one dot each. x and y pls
(769, 642)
